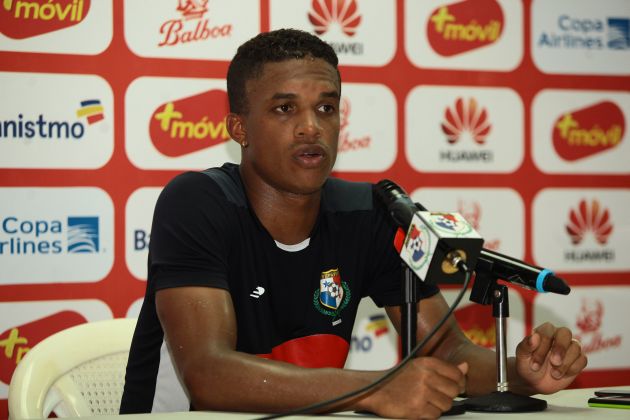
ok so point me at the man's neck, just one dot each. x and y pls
(289, 218)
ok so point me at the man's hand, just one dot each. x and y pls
(549, 359)
(427, 386)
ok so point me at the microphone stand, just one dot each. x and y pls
(486, 290)
(408, 309)
(409, 324)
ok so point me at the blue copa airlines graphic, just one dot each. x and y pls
(82, 235)
(55, 235)
(587, 37)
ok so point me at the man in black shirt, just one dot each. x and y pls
(256, 270)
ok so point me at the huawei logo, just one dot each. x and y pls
(466, 118)
(325, 13)
(589, 217)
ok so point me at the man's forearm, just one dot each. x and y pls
(241, 382)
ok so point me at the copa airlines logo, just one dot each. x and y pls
(325, 13)
(569, 37)
(48, 236)
(587, 33)
(190, 124)
(589, 325)
(55, 234)
(347, 142)
(466, 121)
(467, 25)
(20, 19)
(191, 26)
(588, 131)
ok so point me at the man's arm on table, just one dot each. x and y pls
(200, 329)
(546, 361)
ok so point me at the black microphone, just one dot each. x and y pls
(519, 272)
(401, 209)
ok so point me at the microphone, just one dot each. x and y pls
(519, 272)
(402, 209)
(438, 247)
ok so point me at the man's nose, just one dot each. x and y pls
(308, 126)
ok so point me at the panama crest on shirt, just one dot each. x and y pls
(333, 294)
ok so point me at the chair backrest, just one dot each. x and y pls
(75, 372)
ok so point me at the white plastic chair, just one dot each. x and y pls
(79, 371)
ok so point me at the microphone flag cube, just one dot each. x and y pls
(434, 243)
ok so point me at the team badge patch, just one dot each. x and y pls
(333, 294)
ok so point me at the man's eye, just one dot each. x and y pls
(284, 108)
(327, 108)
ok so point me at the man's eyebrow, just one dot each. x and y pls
(283, 95)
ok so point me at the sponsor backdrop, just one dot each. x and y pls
(511, 112)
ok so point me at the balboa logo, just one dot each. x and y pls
(325, 14)
(192, 26)
(18, 340)
(21, 19)
(44, 128)
(589, 322)
(588, 131)
(464, 26)
(466, 121)
(589, 218)
(33, 237)
(471, 212)
(190, 124)
(346, 143)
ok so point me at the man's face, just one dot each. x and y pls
(292, 125)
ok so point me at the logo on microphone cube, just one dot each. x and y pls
(419, 246)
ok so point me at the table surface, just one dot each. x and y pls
(569, 404)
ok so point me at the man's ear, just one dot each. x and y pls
(236, 127)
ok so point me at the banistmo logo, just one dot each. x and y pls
(190, 124)
(589, 219)
(20, 19)
(44, 128)
(588, 131)
(346, 142)
(464, 26)
(467, 122)
(191, 26)
(587, 33)
(78, 235)
(340, 14)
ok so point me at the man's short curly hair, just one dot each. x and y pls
(274, 46)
